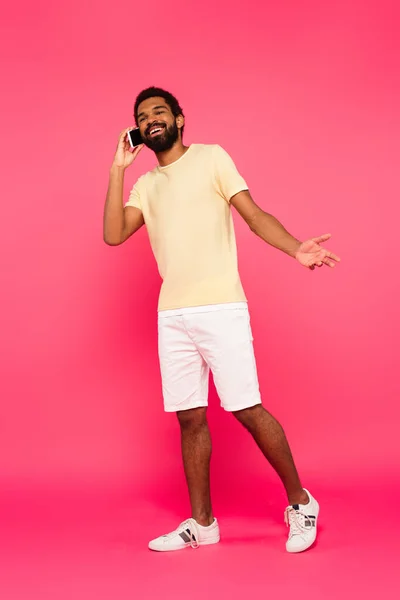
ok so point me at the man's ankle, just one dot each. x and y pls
(204, 520)
(300, 497)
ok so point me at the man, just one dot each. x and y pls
(203, 319)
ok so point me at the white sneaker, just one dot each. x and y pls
(302, 520)
(188, 534)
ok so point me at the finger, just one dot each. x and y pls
(322, 238)
(333, 256)
(123, 141)
(329, 263)
(136, 150)
(124, 134)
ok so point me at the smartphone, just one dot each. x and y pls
(134, 137)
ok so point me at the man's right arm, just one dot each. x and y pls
(119, 222)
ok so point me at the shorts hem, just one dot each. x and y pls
(241, 406)
(170, 409)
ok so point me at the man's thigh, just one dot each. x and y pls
(184, 372)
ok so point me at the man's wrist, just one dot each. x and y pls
(117, 169)
(296, 248)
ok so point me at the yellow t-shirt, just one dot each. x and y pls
(187, 212)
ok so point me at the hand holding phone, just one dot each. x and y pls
(124, 155)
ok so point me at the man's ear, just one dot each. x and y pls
(180, 121)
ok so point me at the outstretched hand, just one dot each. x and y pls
(311, 254)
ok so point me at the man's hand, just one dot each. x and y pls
(310, 254)
(125, 155)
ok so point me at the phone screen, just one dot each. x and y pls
(134, 137)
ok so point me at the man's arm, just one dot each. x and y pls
(310, 253)
(267, 227)
(119, 222)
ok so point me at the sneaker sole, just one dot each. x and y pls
(163, 549)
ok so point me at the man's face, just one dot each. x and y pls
(157, 124)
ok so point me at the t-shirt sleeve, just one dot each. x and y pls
(227, 178)
(134, 197)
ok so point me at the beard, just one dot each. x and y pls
(164, 141)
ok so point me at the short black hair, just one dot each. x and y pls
(153, 92)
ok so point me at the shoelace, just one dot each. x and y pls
(194, 532)
(191, 525)
(298, 521)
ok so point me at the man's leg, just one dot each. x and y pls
(185, 377)
(196, 454)
(302, 513)
(201, 529)
(271, 440)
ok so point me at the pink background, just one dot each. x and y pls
(305, 97)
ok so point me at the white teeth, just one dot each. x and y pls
(155, 130)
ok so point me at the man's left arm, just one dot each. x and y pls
(309, 253)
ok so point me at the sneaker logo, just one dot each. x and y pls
(310, 521)
(187, 536)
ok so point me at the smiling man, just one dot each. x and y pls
(203, 318)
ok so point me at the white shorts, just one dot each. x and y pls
(191, 341)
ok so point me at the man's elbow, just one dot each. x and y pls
(112, 240)
(112, 243)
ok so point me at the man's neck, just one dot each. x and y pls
(171, 155)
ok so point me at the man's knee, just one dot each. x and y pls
(192, 418)
(250, 415)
